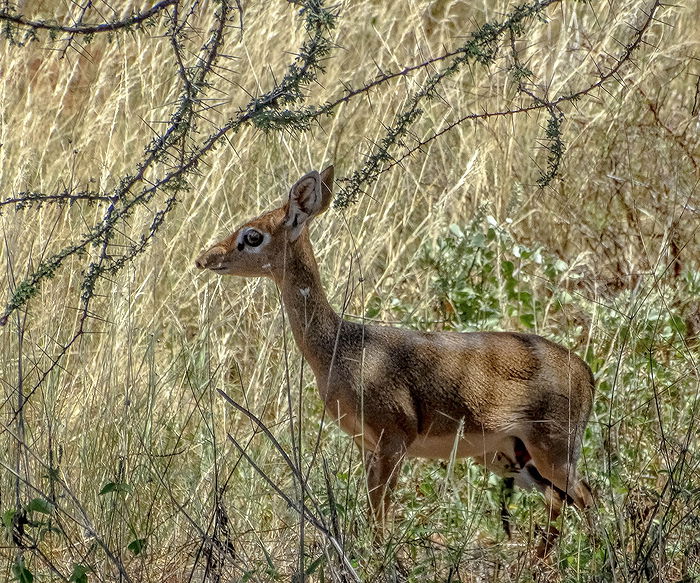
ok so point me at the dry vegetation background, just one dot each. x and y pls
(115, 460)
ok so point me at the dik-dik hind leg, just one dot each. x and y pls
(552, 466)
(555, 501)
(382, 467)
(553, 469)
(506, 497)
(507, 464)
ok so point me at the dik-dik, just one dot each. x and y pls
(516, 403)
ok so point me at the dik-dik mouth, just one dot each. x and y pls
(214, 259)
(215, 267)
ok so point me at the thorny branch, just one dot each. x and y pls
(551, 105)
(381, 161)
(179, 150)
(82, 29)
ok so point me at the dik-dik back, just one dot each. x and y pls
(517, 403)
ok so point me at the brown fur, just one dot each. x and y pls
(517, 403)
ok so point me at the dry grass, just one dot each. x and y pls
(135, 400)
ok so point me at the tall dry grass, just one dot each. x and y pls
(131, 420)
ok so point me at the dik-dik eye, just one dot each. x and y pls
(253, 238)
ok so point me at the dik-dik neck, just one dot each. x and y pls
(313, 321)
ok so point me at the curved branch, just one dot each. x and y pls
(132, 20)
(482, 48)
(539, 103)
(27, 198)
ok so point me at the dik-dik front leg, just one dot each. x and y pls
(382, 467)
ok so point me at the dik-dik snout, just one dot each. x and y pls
(214, 259)
(249, 252)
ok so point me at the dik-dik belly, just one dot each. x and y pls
(427, 445)
(458, 444)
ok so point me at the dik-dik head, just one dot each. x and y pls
(259, 246)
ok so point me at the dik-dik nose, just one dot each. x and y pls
(210, 257)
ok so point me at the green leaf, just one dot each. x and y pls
(427, 488)
(456, 231)
(115, 487)
(374, 307)
(508, 269)
(478, 239)
(21, 573)
(315, 565)
(40, 505)
(565, 297)
(79, 574)
(678, 324)
(560, 265)
(8, 518)
(527, 320)
(137, 546)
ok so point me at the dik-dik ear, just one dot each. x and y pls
(310, 196)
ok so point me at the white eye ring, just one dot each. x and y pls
(253, 238)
